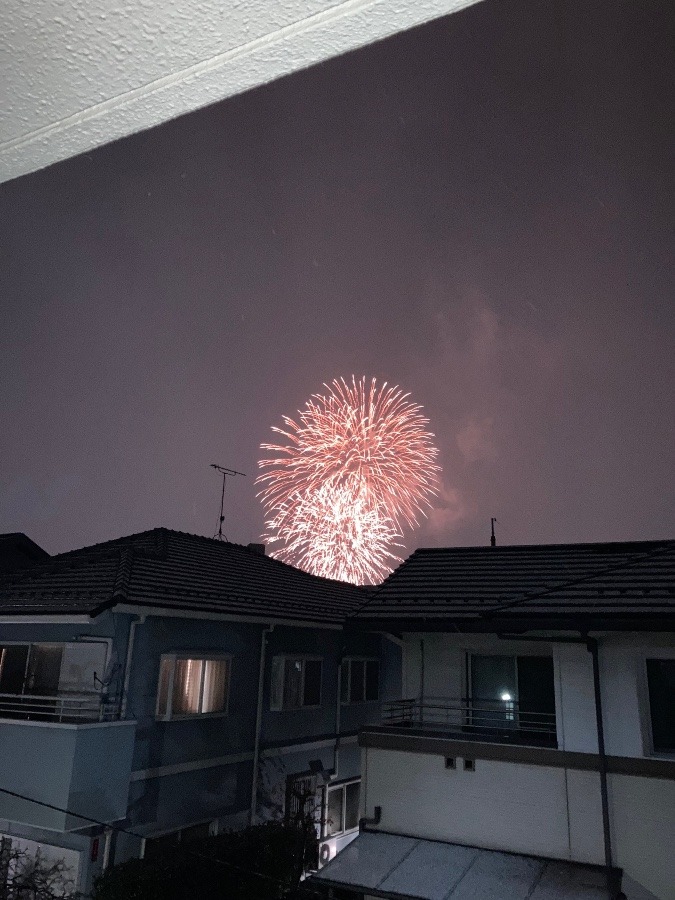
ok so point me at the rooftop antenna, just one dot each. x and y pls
(493, 539)
(224, 472)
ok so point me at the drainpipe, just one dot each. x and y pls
(421, 681)
(268, 629)
(107, 840)
(592, 647)
(338, 714)
(139, 620)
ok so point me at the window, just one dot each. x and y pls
(192, 686)
(296, 682)
(513, 693)
(360, 680)
(301, 805)
(342, 808)
(47, 670)
(661, 684)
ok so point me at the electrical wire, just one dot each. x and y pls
(135, 834)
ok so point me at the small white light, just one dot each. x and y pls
(506, 697)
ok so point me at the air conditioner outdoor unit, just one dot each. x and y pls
(327, 850)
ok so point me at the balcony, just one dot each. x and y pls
(471, 719)
(69, 707)
(71, 751)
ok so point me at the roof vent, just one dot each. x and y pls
(256, 548)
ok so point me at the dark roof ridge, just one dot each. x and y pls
(575, 544)
(163, 533)
(123, 577)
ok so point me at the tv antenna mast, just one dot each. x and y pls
(224, 472)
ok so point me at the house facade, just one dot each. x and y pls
(164, 686)
(533, 752)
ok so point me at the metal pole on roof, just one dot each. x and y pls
(224, 472)
(493, 539)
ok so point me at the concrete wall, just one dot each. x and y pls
(522, 808)
(500, 806)
(84, 768)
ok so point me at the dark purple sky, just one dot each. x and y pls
(480, 210)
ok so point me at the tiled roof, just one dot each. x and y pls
(174, 570)
(630, 581)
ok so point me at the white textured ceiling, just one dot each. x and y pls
(76, 74)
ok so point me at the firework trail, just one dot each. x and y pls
(357, 466)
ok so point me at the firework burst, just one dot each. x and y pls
(357, 466)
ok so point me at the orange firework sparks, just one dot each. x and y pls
(357, 466)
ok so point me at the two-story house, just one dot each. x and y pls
(164, 686)
(532, 754)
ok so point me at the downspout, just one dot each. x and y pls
(592, 647)
(421, 681)
(139, 620)
(268, 629)
(107, 841)
(338, 714)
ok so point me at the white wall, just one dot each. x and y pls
(642, 812)
(523, 808)
(80, 74)
(503, 806)
(622, 674)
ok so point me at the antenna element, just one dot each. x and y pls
(224, 472)
(493, 539)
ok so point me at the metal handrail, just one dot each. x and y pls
(470, 715)
(73, 707)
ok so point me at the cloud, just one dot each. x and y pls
(475, 440)
(448, 511)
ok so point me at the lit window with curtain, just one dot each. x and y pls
(192, 686)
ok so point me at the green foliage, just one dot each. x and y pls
(260, 863)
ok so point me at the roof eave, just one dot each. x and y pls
(661, 622)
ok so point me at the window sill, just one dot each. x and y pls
(294, 708)
(339, 834)
(191, 717)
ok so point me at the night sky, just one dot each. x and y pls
(480, 210)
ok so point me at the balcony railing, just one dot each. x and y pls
(504, 721)
(64, 708)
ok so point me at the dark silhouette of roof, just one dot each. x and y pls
(176, 571)
(486, 588)
(17, 551)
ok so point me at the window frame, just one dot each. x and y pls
(79, 639)
(304, 658)
(331, 788)
(348, 660)
(197, 655)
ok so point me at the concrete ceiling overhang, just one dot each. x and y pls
(77, 74)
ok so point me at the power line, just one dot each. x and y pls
(142, 837)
